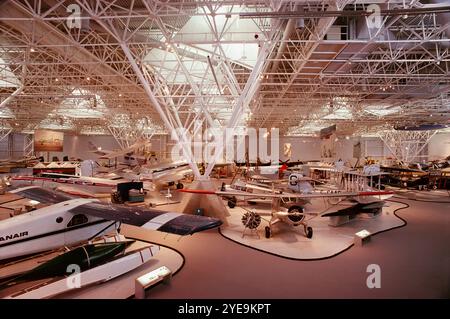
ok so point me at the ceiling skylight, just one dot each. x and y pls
(56, 124)
(342, 113)
(7, 78)
(82, 104)
(382, 110)
(6, 113)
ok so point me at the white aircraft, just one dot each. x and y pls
(56, 220)
(160, 175)
(83, 186)
(295, 182)
(295, 215)
(138, 151)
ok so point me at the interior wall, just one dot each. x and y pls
(77, 146)
(308, 148)
(16, 141)
(302, 148)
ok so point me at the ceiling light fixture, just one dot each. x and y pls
(302, 13)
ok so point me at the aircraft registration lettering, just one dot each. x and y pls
(13, 236)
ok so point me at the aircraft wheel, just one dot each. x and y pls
(309, 232)
(434, 187)
(180, 186)
(116, 198)
(268, 232)
(232, 202)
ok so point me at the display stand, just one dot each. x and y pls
(212, 205)
(252, 232)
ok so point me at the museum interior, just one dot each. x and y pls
(224, 149)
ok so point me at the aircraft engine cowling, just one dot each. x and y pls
(296, 214)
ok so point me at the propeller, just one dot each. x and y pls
(251, 220)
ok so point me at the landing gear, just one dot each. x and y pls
(309, 232)
(268, 232)
(180, 185)
(116, 198)
(232, 202)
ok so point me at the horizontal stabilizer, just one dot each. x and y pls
(356, 209)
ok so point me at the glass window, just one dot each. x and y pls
(77, 220)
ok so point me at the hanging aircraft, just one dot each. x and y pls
(139, 152)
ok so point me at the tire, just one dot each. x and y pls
(232, 202)
(116, 198)
(309, 232)
(180, 186)
(268, 232)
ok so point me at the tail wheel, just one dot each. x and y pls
(268, 232)
(309, 232)
(232, 202)
(180, 186)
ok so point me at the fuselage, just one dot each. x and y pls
(49, 228)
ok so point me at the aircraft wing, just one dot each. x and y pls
(169, 222)
(263, 188)
(100, 152)
(286, 195)
(42, 195)
(356, 209)
(171, 175)
(268, 181)
(114, 154)
(129, 150)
